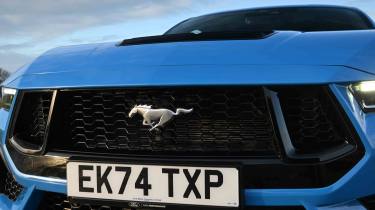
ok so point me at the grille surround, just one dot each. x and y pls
(290, 174)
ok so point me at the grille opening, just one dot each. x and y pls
(8, 185)
(230, 123)
(295, 176)
(226, 121)
(31, 121)
(313, 119)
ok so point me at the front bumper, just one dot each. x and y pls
(345, 193)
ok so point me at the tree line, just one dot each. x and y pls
(3, 74)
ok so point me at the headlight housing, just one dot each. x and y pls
(364, 92)
(7, 97)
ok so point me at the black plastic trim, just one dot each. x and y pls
(290, 150)
(22, 146)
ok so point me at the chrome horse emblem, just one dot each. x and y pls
(156, 117)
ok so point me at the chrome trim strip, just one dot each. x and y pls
(17, 146)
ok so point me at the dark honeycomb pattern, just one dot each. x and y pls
(11, 188)
(32, 121)
(312, 119)
(225, 121)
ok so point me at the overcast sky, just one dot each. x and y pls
(30, 27)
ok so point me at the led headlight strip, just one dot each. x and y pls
(7, 96)
(364, 92)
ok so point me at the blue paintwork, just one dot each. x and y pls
(351, 205)
(335, 58)
(285, 57)
(193, 75)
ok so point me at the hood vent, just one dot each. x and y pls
(204, 36)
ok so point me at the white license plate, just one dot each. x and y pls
(208, 186)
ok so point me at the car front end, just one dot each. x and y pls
(267, 119)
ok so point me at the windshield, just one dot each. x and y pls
(283, 19)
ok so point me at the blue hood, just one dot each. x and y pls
(284, 57)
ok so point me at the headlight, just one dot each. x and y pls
(7, 96)
(364, 92)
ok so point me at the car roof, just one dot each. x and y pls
(365, 15)
(288, 6)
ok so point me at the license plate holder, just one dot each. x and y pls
(198, 186)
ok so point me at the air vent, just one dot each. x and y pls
(8, 185)
(31, 122)
(206, 36)
(313, 120)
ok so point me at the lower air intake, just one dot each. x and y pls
(54, 201)
(8, 185)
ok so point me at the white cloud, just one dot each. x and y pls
(41, 19)
(30, 27)
(12, 61)
(36, 23)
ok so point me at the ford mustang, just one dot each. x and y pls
(263, 108)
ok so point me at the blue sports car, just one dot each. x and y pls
(265, 108)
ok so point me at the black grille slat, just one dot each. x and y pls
(225, 121)
(40, 115)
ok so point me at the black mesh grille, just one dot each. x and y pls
(8, 186)
(11, 188)
(313, 120)
(32, 118)
(225, 121)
